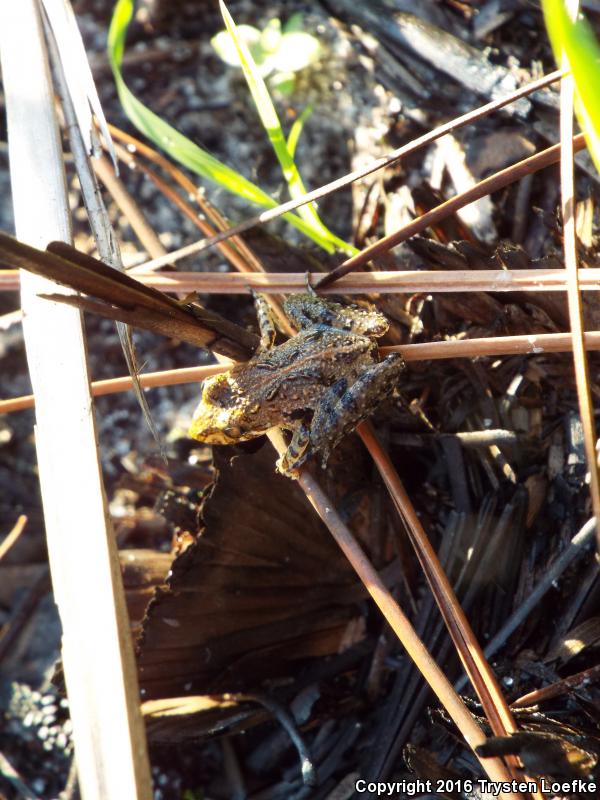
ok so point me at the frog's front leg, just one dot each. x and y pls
(300, 449)
(266, 326)
(294, 456)
(340, 412)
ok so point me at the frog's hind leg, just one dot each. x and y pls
(339, 414)
(264, 316)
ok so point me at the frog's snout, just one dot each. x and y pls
(213, 426)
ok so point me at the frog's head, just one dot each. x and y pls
(222, 414)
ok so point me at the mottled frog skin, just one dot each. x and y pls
(319, 385)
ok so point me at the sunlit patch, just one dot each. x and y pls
(218, 417)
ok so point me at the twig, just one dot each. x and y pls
(529, 344)
(467, 646)
(134, 162)
(106, 242)
(578, 681)
(126, 299)
(148, 380)
(237, 252)
(134, 146)
(384, 282)
(498, 181)
(129, 208)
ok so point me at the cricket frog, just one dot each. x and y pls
(318, 385)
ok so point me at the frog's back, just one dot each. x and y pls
(318, 355)
(290, 378)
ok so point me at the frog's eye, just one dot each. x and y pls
(233, 431)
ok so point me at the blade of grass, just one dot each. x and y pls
(581, 680)
(582, 377)
(13, 536)
(271, 124)
(176, 144)
(573, 35)
(296, 130)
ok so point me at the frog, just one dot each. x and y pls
(318, 385)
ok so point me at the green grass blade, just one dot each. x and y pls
(577, 40)
(268, 116)
(296, 130)
(270, 121)
(179, 147)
